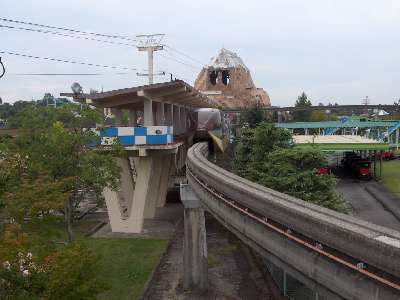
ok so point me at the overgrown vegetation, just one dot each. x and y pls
(266, 155)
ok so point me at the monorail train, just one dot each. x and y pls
(212, 126)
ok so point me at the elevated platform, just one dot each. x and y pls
(156, 139)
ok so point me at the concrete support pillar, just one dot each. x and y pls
(119, 202)
(148, 113)
(306, 131)
(195, 243)
(183, 117)
(133, 118)
(168, 111)
(152, 196)
(133, 201)
(160, 116)
(176, 120)
(164, 180)
(117, 115)
(397, 139)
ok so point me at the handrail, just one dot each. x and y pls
(376, 246)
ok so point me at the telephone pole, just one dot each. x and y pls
(150, 43)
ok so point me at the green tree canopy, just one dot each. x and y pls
(302, 115)
(267, 156)
(56, 154)
(251, 117)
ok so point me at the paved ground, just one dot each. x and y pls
(232, 273)
(364, 205)
(161, 227)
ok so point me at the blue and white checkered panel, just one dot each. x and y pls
(127, 136)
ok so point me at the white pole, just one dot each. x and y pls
(150, 63)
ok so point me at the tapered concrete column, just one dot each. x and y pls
(126, 206)
(148, 113)
(154, 186)
(164, 180)
(160, 116)
(119, 202)
(133, 118)
(117, 115)
(169, 117)
(195, 267)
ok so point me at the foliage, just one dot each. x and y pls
(22, 278)
(321, 116)
(36, 197)
(123, 263)
(294, 172)
(255, 142)
(57, 157)
(8, 110)
(13, 240)
(251, 117)
(266, 155)
(69, 273)
(72, 274)
(302, 115)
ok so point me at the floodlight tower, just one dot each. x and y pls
(150, 43)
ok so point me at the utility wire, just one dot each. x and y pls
(178, 61)
(4, 69)
(67, 61)
(66, 74)
(70, 30)
(66, 35)
(182, 53)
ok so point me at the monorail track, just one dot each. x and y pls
(222, 186)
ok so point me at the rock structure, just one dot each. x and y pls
(227, 80)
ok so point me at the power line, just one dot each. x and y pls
(65, 35)
(70, 30)
(3, 69)
(178, 61)
(66, 74)
(68, 61)
(182, 53)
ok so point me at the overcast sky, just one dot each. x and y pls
(337, 51)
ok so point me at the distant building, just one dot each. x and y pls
(227, 80)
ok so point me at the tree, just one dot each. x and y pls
(267, 156)
(251, 117)
(60, 158)
(318, 116)
(302, 115)
(255, 142)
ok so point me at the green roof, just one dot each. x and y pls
(337, 124)
(349, 146)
